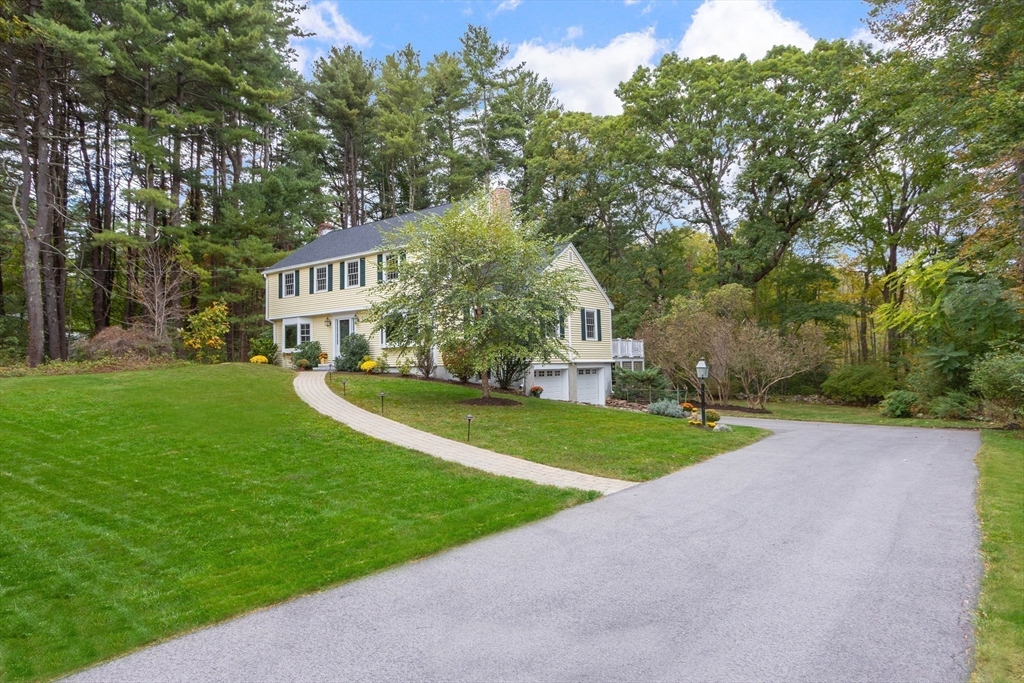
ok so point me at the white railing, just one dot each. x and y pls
(627, 348)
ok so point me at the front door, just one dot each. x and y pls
(342, 328)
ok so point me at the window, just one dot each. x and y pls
(296, 332)
(590, 323)
(289, 284)
(352, 274)
(587, 371)
(321, 279)
(547, 373)
(391, 272)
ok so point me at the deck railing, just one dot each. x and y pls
(627, 348)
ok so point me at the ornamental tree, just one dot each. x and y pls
(476, 277)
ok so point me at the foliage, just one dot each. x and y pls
(665, 407)
(303, 364)
(204, 332)
(712, 415)
(510, 369)
(480, 275)
(404, 367)
(383, 363)
(899, 403)
(425, 358)
(639, 385)
(308, 351)
(368, 366)
(55, 368)
(259, 360)
(859, 384)
(351, 352)
(536, 391)
(999, 378)
(117, 342)
(763, 357)
(457, 359)
(953, 405)
(173, 492)
(264, 345)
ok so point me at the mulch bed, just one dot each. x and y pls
(492, 401)
(737, 409)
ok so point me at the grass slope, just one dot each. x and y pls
(134, 506)
(999, 636)
(853, 415)
(609, 443)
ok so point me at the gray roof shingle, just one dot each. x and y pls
(359, 239)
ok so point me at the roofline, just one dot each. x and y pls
(334, 259)
(570, 245)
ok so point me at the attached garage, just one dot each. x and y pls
(554, 382)
(589, 386)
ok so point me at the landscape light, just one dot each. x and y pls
(469, 426)
(382, 395)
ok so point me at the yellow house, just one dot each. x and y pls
(321, 291)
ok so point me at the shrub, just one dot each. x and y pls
(302, 364)
(204, 333)
(382, 363)
(425, 359)
(687, 406)
(404, 367)
(117, 342)
(953, 405)
(861, 384)
(308, 351)
(259, 360)
(458, 361)
(712, 415)
(536, 391)
(640, 385)
(666, 407)
(999, 377)
(899, 403)
(509, 369)
(368, 366)
(264, 345)
(351, 352)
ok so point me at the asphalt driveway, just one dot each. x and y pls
(822, 553)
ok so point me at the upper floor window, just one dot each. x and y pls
(391, 271)
(321, 278)
(590, 323)
(352, 274)
(289, 284)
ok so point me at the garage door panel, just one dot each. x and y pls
(553, 383)
(588, 386)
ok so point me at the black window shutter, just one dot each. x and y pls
(380, 267)
(310, 280)
(599, 324)
(330, 277)
(561, 327)
(280, 285)
(296, 283)
(343, 280)
(362, 272)
(583, 324)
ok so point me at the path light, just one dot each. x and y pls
(702, 374)
(382, 395)
(344, 388)
(469, 426)
(330, 373)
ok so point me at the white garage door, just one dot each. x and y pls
(553, 383)
(588, 386)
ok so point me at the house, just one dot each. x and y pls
(321, 291)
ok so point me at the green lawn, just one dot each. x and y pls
(999, 635)
(866, 416)
(601, 441)
(137, 505)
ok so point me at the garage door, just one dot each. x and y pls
(588, 386)
(553, 383)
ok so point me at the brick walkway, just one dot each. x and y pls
(311, 388)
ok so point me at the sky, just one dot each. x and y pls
(584, 48)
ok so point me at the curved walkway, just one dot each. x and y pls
(311, 388)
(822, 553)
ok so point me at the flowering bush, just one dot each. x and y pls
(712, 415)
(694, 423)
(711, 425)
(302, 364)
(687, 406)
(368, 366)
(259, 360)
(536, 391)
(204, 333)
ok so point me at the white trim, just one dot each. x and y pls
(284, 284)
(326, 311)
(597, 334)
(298, 322)
(589, 272)
(344, 265)
(333, 259)
(316, 279)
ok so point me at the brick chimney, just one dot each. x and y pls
(323, 229)
(501, 201)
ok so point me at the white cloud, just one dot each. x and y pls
(572, 33)
(508, 5)
(729, 28)
(584, 79)
(324, 19)
(864, 35)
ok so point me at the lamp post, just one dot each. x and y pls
(382, 395)
(469, 426)
(702, 374)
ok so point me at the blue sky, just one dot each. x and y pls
(583, 48)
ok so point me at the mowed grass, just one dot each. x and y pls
(137, 505)
(595, 440)
(999, 635)
(814, 412)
